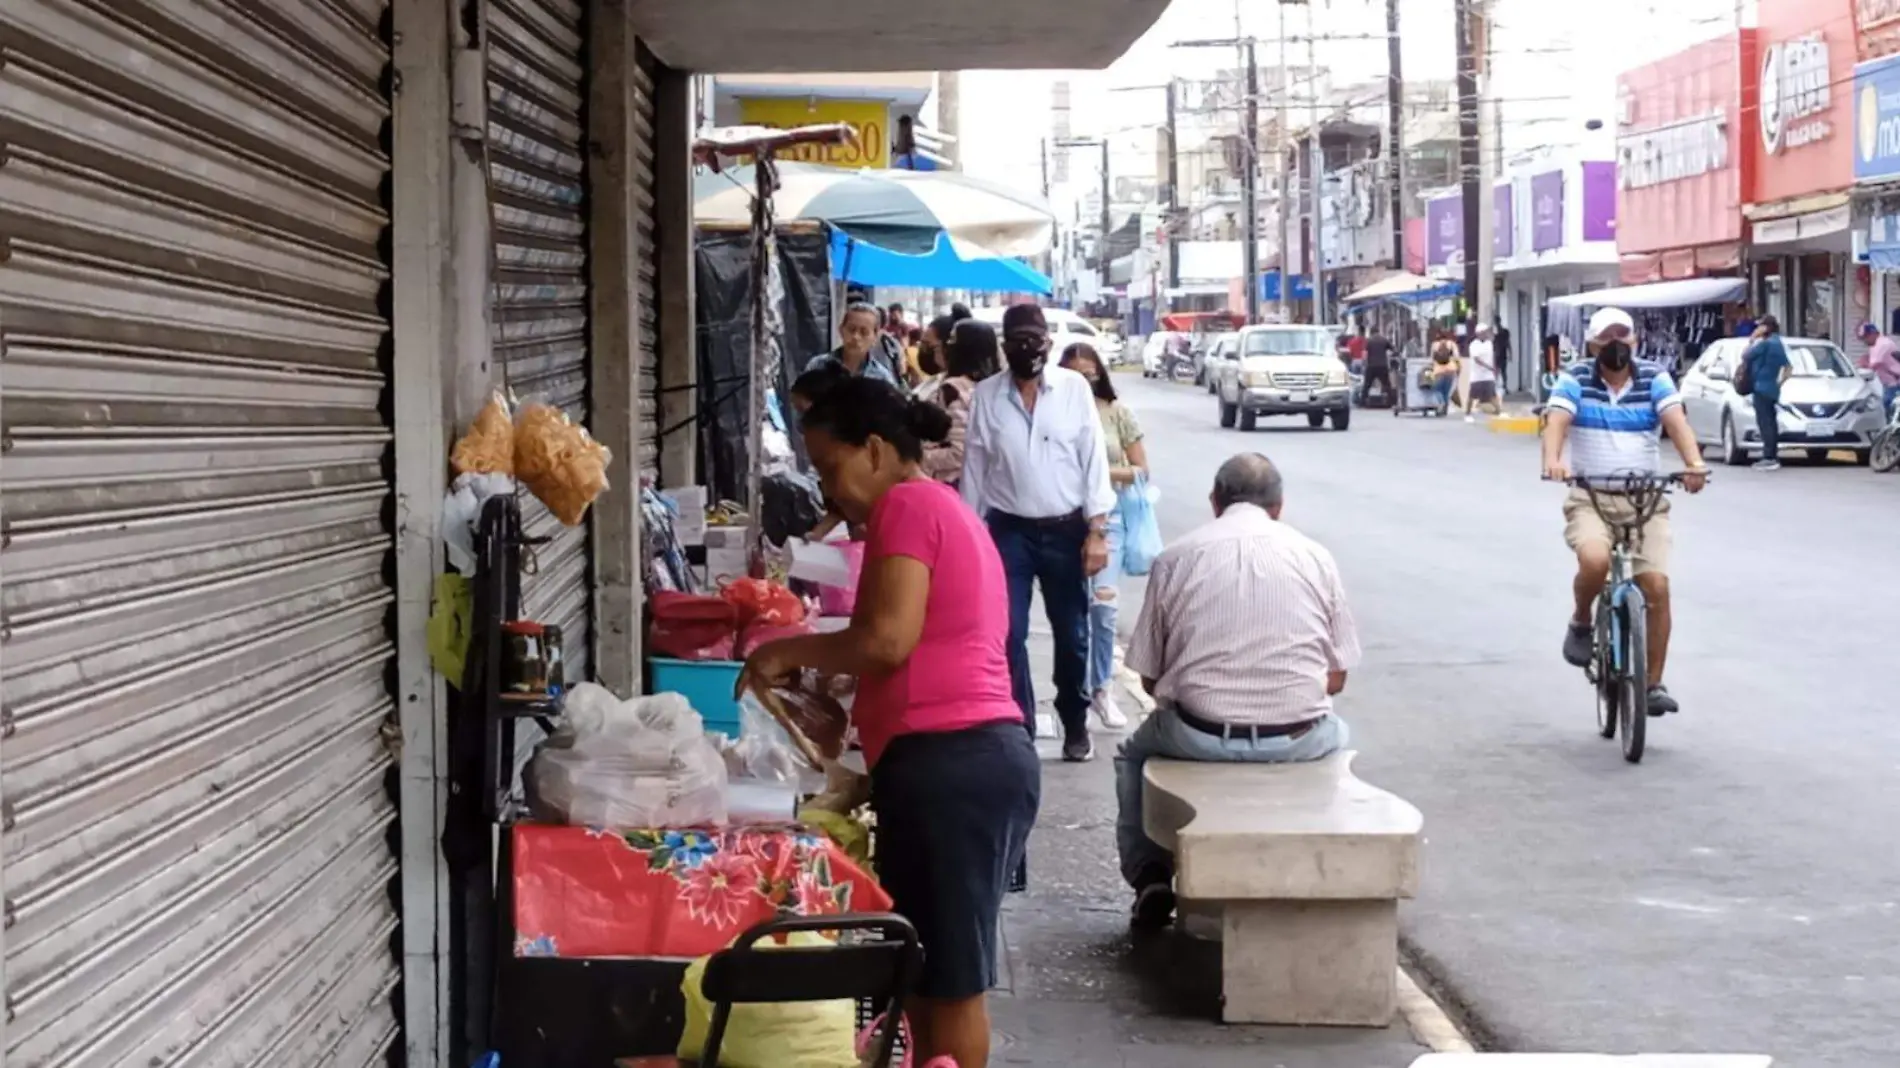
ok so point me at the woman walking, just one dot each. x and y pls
(1127, 464)
(969, 358)
(955, 782)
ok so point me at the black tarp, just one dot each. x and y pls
(723, 310)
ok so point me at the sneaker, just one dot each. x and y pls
(1154, 901)
(1659, 701)
(1109, 711)
(1579, 644)
(1767, 465)
(1471, 418)
(1078, 749)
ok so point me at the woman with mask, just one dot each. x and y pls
(969, 358)
(955, 784)
(931, 362)
(1127, 463)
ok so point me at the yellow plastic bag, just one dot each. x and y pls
(812, 1034)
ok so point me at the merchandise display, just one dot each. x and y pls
(559, 462)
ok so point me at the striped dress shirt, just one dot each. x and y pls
(1243, 621)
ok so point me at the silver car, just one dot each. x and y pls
(1825, 403)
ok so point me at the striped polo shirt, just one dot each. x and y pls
(1615, 434)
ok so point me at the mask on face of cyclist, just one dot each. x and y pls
(1614, 355)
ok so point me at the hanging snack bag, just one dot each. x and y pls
(489, 446)
(559, 462)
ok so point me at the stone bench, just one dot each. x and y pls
(1306, 865)
(1592, 1060)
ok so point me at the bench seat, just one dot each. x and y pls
(1306, 865)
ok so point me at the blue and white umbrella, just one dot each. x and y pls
(903, 211)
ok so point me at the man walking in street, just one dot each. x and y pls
(1883, 359)
(1244, 639)
(1482, 389)
(1378, 369)
(1768, 368)
(1035, 467)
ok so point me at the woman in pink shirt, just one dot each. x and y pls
(955, 781)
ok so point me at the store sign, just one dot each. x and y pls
(1445, 231)
(1503, 220)
(1877, 120)
(1877, 22)
(1795, 93)
(870, 120)
(1599, 201)
(1547, 211)
(1687, 149)
(1814, 224)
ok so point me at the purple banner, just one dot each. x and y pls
(1547, 211)
(1444, 230)
(1503, 220)
(1599, 201)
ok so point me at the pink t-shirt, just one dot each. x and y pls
(958, 676)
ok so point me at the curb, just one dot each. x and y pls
(1514, 424)
(1430, 1025)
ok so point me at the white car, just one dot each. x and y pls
(1825, 402)
(1065, 329)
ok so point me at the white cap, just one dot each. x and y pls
(1607, 318)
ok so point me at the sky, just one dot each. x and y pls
(1555, 67)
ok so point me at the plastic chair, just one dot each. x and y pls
(882, 971)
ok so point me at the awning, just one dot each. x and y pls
(1405, 286)
(1685, 293)
(869, 265)
(1883, 243)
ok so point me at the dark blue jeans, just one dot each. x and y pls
(1768, 425)
(1047, 552)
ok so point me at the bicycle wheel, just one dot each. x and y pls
(1633, 678)
(1602, 676)
(1885, 455)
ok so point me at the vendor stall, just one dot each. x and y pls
(1674, 320)
(1402, 306)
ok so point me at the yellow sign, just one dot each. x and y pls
(869, 119)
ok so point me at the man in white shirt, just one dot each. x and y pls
(1244, 639)
(1483, 387)
(1035, 468)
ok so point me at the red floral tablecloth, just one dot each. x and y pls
(687, 892)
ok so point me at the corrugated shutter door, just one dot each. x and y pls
(197, 824)
(536, 145)
(647, 266)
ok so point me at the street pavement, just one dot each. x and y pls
(1079, 990)
(1737, 891)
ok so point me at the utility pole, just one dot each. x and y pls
(1250, 184)
(1286, 172)
(1173, 227)
(1107, 225)
(1318, 168)
(1395, 131)
(1469, 157)
(1487, 166)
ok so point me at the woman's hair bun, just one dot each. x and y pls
(929, 422)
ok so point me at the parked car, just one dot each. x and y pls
(1065, 329)
(1220, 352)
(1155, 347)
(1284, 370)
(1825, 404)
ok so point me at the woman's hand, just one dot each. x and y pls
(767, 667)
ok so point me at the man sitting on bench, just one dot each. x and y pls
(1243, 639)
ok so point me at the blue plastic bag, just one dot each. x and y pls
(1141, 533)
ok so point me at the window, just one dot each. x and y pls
(1819, 361)
(1080, 329)
(1289, 343)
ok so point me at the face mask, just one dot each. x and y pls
(1026, 358)
(1614, 355)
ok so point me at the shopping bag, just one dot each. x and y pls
(811, 1034)
(1141, 532)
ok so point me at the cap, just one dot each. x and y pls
(1606, 321)
(1870, 328)
(1024, 317)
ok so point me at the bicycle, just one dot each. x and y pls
(1884, 456)
(1619, 667)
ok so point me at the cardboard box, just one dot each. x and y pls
(691, 525)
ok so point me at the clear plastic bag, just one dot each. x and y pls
(639, 763)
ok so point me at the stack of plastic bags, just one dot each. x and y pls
(644, 762)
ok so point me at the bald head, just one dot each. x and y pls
(1248, 478)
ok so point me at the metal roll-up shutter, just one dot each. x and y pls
(537, 176)
(640, 167)
(197, 848)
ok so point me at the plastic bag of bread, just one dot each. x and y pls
(559, 461)
(489, 446)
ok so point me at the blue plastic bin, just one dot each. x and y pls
(706, 685)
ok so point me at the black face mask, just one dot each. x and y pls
(1614, 356)
(1026, 356)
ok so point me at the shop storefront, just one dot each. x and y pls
(1801, 263)
(1877, 182)
(1683, 167)
(1562, 230)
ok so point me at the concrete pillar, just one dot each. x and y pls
(673, 203)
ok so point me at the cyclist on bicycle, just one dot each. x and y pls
(1609, 409)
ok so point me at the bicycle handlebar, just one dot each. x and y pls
(1630, 482)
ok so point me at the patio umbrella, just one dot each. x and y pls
(902, 211)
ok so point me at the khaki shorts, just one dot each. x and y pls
(1583, 526)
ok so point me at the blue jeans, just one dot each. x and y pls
(1104, 609)
(1164, 735)
(1889, 398)
(1769, 425)
(1441, 389)
(1047, 552)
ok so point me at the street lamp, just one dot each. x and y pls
(1101, 251)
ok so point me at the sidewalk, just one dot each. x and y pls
(1077, 990)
